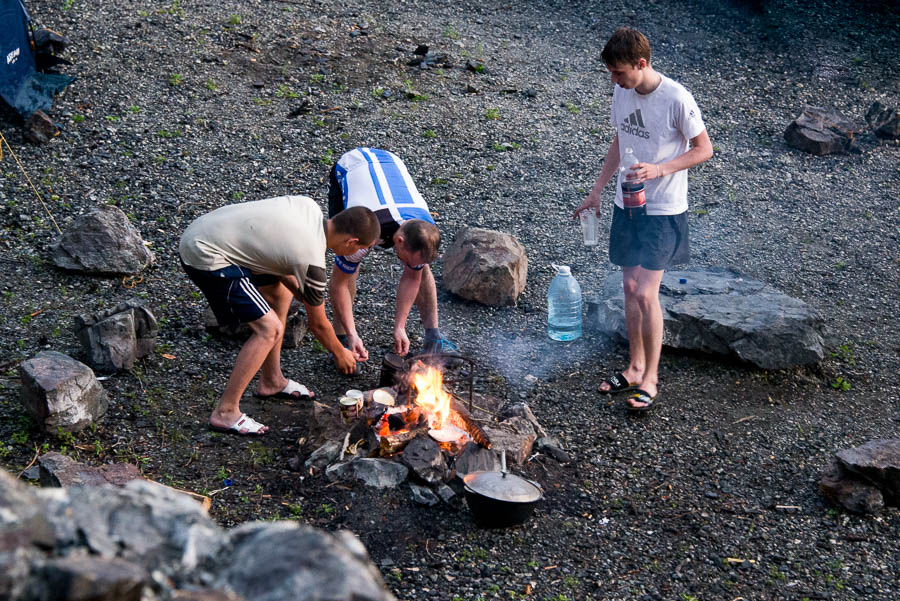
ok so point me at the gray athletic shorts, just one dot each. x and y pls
(654, 242)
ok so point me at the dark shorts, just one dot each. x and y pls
(233, 292)
(654, 242)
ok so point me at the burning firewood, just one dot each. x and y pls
(394, 443)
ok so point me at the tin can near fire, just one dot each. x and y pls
(350, 407)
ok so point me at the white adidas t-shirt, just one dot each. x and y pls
(659, 127)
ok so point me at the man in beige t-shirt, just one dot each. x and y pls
(249, 260)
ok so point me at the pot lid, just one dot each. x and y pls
(502, 486)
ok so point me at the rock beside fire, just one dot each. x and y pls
(485, 266)
(424, 495)
(475, 458)
(374, 472)
(515, 435)
(423, 456)
(719, 311)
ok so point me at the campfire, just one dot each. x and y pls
(422, 407)
(419, 417)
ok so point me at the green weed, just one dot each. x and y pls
(284, 91)
(841, 384)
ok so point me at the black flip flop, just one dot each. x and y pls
(617, 383)
(642, 396)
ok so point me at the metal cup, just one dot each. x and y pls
(350, 407)
(588, 219)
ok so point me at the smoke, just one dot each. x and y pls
(525, 359)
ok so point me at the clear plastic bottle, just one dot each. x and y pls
(633, 197)
(564, 305)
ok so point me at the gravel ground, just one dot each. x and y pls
(183, 107)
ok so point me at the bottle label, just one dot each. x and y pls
(633, 195)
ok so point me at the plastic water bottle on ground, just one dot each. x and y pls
(564, 305)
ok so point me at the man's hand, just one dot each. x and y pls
(358, 348)
(592, 201)
(401, 342)
(345, 361)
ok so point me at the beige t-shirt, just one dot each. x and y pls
(278, 236)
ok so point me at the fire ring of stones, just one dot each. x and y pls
(423, 425)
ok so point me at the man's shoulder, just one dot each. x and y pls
(674, 89)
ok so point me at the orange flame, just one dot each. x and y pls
(429, 382)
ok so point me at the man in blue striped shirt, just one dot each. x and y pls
(378, 180)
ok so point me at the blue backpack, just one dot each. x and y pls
(23, 85)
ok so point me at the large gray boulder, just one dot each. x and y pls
(60, 393)
(119, 544)
(821, 131)
(102, 242)
(286, 561)
(485, 266)
(718, 311)
(115, 338)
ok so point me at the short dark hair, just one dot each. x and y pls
(420, 236)
(358, 222)
(626, 47)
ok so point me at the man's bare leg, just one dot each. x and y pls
(645, 336)
(266, 331)
(271, 379)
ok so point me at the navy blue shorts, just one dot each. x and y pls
(654, 242)
(232, 292)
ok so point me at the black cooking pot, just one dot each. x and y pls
(500, 499)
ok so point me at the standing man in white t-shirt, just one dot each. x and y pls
(659, 119)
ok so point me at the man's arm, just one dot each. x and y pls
(610, 166)
(407, 290)
(701, 150)
(340, 290)
(321, 328)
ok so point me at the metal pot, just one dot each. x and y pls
(500, 499)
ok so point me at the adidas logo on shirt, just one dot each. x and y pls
(634, 125)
